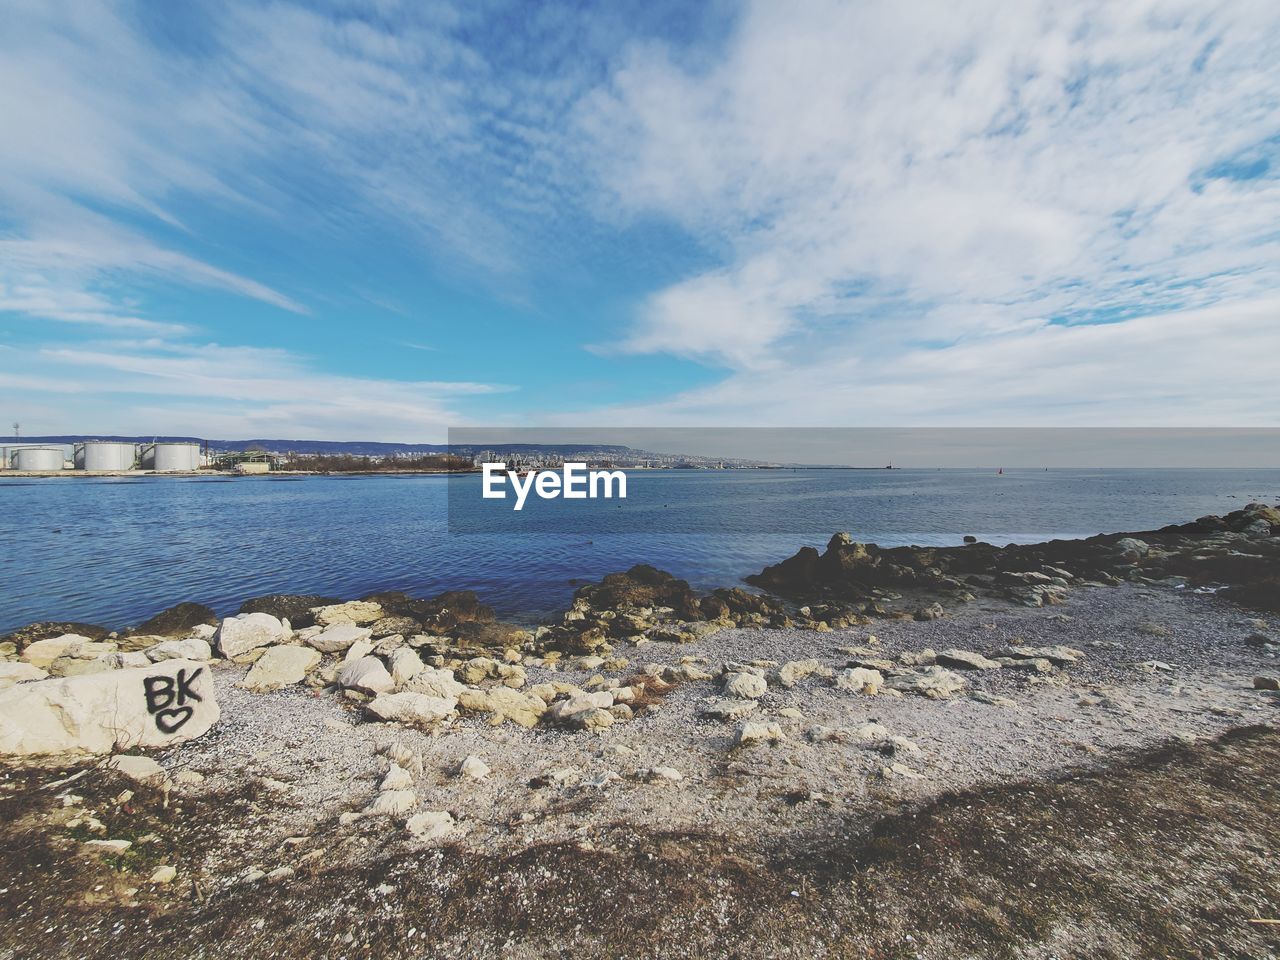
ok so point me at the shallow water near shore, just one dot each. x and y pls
(115, 551)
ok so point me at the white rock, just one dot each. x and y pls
(430, 825)
(601, 780)
(141, 769)
(869, 732)
(109, 846)
(859, 680)
(935, 682)
(280, 667)
(41, 653)
(750, 733)
(668, 774)
(408, 707)
(75, 667)
(435, 682)
(587, 711)
(397, 778)
(357, 612)
(744, 686)
(474, 767)
(405, 664)
(392, 802)
(248, 631)
(164, 874)
(12, 672)
(193, 648)
(155, 706)
(718, 708)
(203, 631)
(789, 674)
(580, 703)
(361, 648)
(338, 638)
(965, 660)
(367, 675)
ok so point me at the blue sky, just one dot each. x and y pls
(378, 219)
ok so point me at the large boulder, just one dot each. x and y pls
(296, 608)
(338, 638)
(248, 631)
(404, 664)
(359, 612)
(154, 706)
(42, 653)
(366, 675)
(934, 682)
(192, 648)
(502, 703)
(17, 672)
(435, 682)
(408, 707)
(744, 686)
(280, 667)
(859, 680)
(965, 660)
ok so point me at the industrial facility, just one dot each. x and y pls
(104, 456)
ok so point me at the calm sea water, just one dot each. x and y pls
(115, 551)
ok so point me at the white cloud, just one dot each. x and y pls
(1211, 367)
(215, 391)
(890, 174)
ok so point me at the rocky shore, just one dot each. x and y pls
(1053, 749)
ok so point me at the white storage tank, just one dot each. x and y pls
(173, 457)
(38, 458)
(105, 455)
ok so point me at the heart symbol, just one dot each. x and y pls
(168, 721)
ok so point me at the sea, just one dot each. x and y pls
(114, 551)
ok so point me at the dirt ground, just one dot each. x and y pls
(1167, 853)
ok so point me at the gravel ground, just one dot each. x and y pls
(1116, 810)
(315, 758)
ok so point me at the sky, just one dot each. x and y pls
(378, 220)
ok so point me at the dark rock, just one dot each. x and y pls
(177, 621)
(390, 626)
(490, 635)
(642, 586)
(439, 615)
(44, 629)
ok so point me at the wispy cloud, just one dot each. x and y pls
(1211, 367)
(215, 390)
(898, 211)
(931, 172)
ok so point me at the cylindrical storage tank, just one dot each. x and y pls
(170, 457)
(106, 455)
(38, 458)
